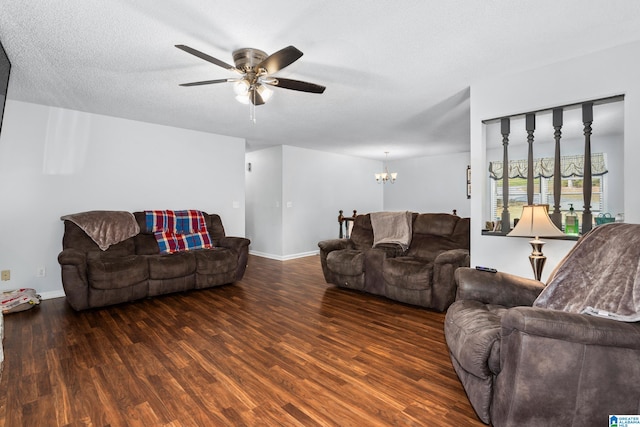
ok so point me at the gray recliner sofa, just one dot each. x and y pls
(530, 355)
(421, 274)
(134, 268)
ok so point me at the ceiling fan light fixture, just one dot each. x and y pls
(256, 68)
(264, 92)
(241, 87)
(243, 99)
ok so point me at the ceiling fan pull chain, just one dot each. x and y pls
(252, 108)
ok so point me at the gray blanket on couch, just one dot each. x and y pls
(599, 276)
(392, 227)
(106, 228)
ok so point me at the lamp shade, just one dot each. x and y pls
(535, 222)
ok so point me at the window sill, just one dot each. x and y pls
(500, 233)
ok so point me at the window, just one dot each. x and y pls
(543, 194)
(571, 185)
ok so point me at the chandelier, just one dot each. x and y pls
(385, 176)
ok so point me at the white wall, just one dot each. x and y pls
(55, 161)
(603, 74)
(307, 193)
(264, 200)
(429, 184)
(316, 185)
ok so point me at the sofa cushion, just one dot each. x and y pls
(362, 232)
(407, 272)
(214, 226)
(436, 224)
(349, 262)
(435, 233)
(171, 266)
(146, 244)
(472, 330)
(106, 271)
(216, 260)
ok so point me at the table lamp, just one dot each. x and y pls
(535, 222)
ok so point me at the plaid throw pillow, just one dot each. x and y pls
(178, 230)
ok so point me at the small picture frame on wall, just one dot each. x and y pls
(468, 182)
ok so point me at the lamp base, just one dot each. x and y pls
(537, 258)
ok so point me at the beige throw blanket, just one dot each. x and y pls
(599, 276)
(392, 227)
(106, 228)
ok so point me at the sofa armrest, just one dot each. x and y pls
(241, 246)
(72, 256)
(73, 264)
(443, 286)
(236, 243)
(453, 256)
(571, 327)
(335, 245)
(496, 288)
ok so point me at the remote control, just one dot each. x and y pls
(488, 269)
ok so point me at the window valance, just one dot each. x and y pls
(570, 166)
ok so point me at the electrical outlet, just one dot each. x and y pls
(5, 275)
(41, 271)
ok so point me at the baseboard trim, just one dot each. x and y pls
(52, 294)
(284, 257)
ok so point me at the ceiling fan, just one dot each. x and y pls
(256, 69)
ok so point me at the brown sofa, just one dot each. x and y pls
(529, 355)
(134, 268)
(422, 275)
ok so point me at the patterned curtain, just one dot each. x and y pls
(570, 166)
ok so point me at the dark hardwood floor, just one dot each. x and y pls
(279, 348)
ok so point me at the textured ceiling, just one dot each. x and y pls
(397, 73)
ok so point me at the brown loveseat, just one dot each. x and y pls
(134, 268)
(422, 274)
(530, 355)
